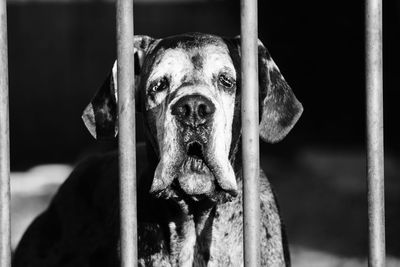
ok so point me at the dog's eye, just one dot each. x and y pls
(161, 85)
(226, 81)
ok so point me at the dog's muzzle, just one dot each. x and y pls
(193, 170)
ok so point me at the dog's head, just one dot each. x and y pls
(188, 89)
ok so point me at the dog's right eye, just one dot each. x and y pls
(160, 86)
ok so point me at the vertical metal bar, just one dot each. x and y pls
(375, 161)
(127, 137)
(250, 138)
(5, 230)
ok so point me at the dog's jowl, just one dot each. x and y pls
(188, 90)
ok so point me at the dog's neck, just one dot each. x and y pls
(190, 237)
(210, 237)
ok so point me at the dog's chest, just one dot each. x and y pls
(226, 248)
(217, 243)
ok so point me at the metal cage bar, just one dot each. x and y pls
(127, 137)
(5, 227)
(375, 156)
(250, 138)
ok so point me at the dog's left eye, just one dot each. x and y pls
(226, 81)
(161, 85)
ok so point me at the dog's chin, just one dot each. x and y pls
(194, 181)
(195, 178)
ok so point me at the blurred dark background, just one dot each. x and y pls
(60, 53)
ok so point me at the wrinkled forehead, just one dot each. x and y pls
(181, 55)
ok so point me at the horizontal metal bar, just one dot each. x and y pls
(127, 137)
(375, 155)
(250, 138)
(5, 228)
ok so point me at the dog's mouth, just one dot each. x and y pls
(195, 174)
(195, 177)
(195, 160)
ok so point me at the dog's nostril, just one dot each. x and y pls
(204, 110)
(195, 150)
(184, 110)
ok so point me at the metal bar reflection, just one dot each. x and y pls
(250, 138)
(127, 138)
(375, 156)
(5, 230)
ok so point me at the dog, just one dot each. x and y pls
(188, 89)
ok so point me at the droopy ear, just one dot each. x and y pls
(101, 115)
(279, 107)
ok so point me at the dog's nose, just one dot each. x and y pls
(193, 110)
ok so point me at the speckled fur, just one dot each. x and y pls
(81, 225)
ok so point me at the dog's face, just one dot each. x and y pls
(188, 88)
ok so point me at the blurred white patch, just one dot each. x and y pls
(307, 257)
(31, 193)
